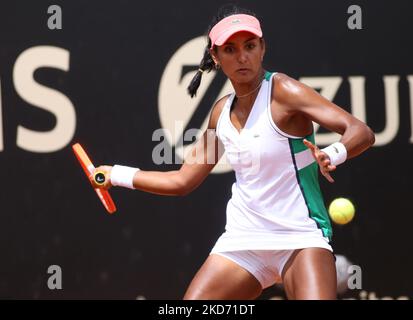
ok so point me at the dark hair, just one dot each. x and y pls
(207, 63)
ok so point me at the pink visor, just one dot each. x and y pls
(230, 25)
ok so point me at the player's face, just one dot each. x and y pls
(241, 56)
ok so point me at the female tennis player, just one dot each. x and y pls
(278, 229)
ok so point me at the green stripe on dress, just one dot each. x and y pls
(308, 180)
(267, 75)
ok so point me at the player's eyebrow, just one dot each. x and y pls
(231, 43)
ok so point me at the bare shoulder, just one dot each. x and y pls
(216, 112)
(283, 80)
(289, 91)
(285, 86)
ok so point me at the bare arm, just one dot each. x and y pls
(197, 165)
(299, 98)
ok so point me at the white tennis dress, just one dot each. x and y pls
(276, 201)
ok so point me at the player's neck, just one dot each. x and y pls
(249, 90)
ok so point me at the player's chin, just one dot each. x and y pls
(243, 77)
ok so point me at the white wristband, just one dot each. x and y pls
(122, 176)
(337, 153)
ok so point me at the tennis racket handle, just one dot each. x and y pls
(99, 177)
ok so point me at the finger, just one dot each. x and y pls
(327, 176)
(308, 143)
(323, 156)
(327, 167)
(324, 161)
(331, 168)
(313, 148)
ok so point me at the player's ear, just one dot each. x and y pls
(214, 56)
(263, 46)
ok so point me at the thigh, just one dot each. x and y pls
(310, 273)
(221, 278)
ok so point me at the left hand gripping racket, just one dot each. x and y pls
(99, 177)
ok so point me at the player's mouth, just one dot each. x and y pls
(243, 71)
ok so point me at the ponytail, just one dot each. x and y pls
(207, 64)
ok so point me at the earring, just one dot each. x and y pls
(217, 66)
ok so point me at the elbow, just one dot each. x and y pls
(182, 192)
(182, 188)
(185, 189)
(365, 135)
(184, 184)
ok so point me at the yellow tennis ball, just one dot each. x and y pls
(341, 211)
